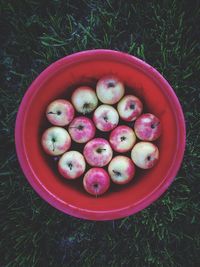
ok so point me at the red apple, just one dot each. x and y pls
(129, 108)
(60, 112)
(121, 170)
(81, 129)
(98, 152)
(96, 181)
(147, 127)
(145, 155)
(122, 138)
(105, 118)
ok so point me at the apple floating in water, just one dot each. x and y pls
(121, 169)
(122, 138)
(98, 152)
(147, 127)
(81, 129)
(60, 112)
(56, 141)
(84, 99)
(130, 107)
(110, 89)
(96, 181)
(71, 165)
(145, 155)
(105, 118)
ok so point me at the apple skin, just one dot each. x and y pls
(129, 108)
(98, 152)
(82, 129)
(56, 141)
(84, 99)
(145, 155)
(105, 118)
(71, 165)
(110, 89)
(147, 127)
(122, 139)
(60, 112)
(121, 170)
(96, 181)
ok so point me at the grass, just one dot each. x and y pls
(33, 35)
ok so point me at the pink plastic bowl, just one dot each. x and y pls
(58, 80)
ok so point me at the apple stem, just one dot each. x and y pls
(80, 127)
(123, 138)
(70, 166)
(53, 145)
(86, 108)
(96, 195)
(111, 84)
(95, 185)
(73, 127)
(117, 173)
(154, 125)
(99, 150)
(105, 119)
(149, 157)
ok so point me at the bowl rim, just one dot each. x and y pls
(48, 196)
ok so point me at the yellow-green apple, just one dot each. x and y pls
(121, 169)
(145, 155)
(110, 89)
(71, 165)
(56, 141)
(84, 99)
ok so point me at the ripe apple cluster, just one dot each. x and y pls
(98, 152)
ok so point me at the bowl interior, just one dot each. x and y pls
(59, 84)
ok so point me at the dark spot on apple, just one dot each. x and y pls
(86, 106)
(80, 127)
(51, 112)
(117, 173)
(132, 106)
(105, 118)
(59, 112)
(122, 138)
(154, 125)
(149, 158)
(96, 185)
(70, 165)
(111, 84)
